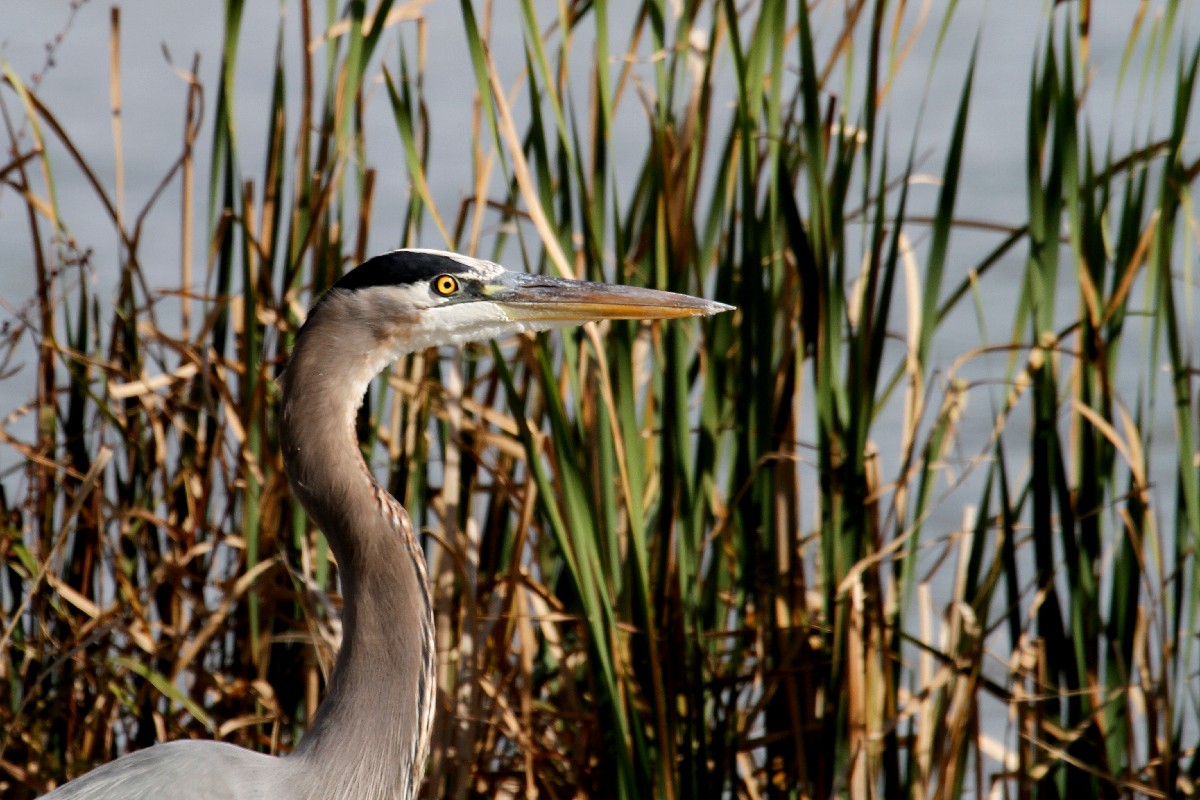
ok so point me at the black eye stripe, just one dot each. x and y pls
(400, 268)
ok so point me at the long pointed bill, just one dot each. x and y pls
(538, 297)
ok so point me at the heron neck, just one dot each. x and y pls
(371, 731)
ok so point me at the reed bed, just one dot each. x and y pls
(760, 555)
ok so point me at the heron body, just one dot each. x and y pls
(370, 736)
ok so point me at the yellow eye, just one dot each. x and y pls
(445, 285)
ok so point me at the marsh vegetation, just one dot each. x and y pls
(758, 555)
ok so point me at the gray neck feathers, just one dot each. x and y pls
(372, 730)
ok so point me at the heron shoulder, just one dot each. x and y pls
(181, 770)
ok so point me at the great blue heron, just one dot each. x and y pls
(370, 737)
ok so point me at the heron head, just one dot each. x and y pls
(423, 298)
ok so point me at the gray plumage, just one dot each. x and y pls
(370, 737)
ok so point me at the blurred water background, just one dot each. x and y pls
(159, 39)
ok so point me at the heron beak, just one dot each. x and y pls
(539, 297)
